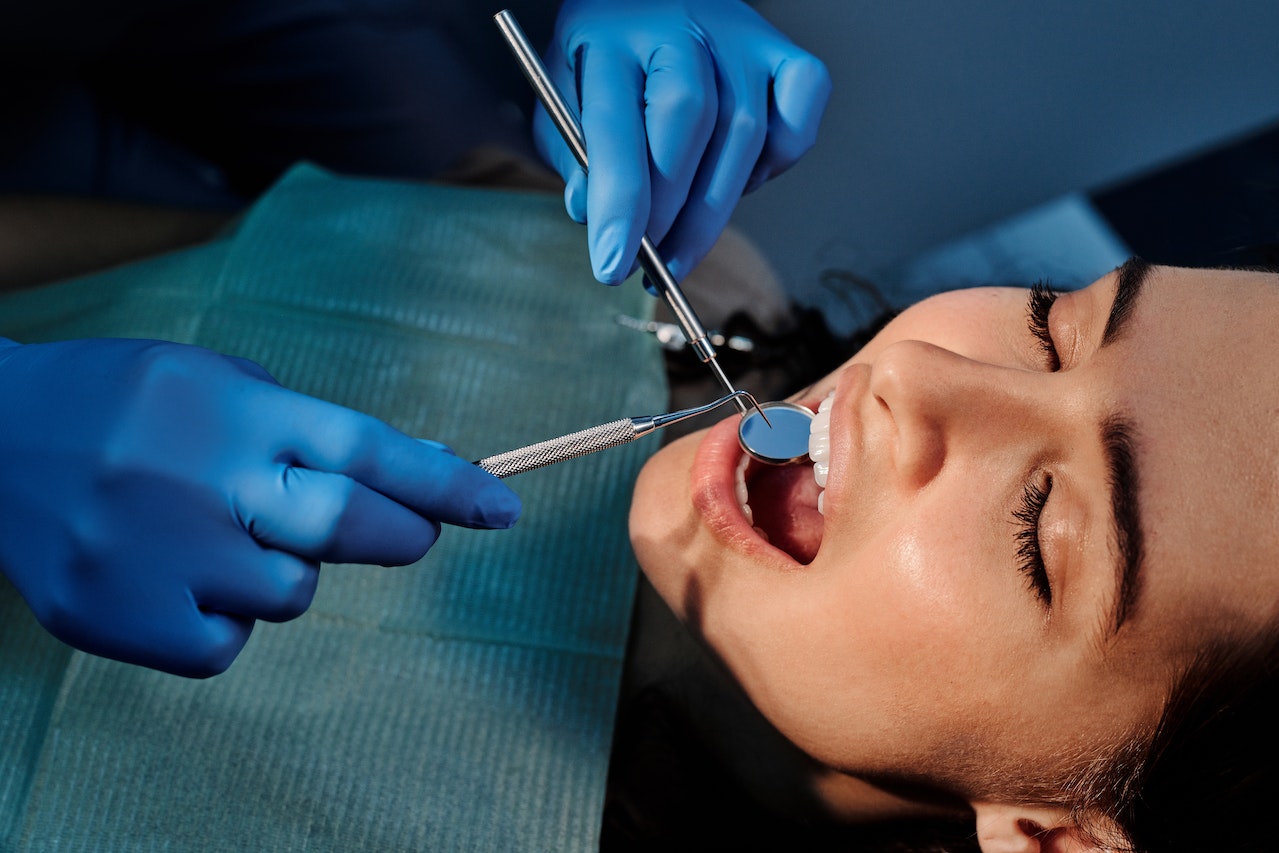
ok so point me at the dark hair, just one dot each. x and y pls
(1211, 779)
(669, 791)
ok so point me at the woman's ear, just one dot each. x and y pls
(1032, 829)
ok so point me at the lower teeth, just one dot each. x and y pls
(742, 495)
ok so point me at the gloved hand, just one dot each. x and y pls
(685, 105)
(156, 498)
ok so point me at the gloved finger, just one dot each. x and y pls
(556, 152)
(209, 645)
(434, 484)
(617, 192)
(731, 156)
(575, 196)
(179, 637)
(682, 104)
(222, 637)
(325, 516)
(257, 581)
(550, 143)
(801, 89)
(251, 369)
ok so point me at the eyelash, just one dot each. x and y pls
(1030, 561)
(1039, 303)
(1034, 496)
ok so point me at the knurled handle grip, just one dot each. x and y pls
(554, 450)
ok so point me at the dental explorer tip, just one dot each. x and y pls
(742, 408)
(755, 403)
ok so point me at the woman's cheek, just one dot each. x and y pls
(662, 526)
(925, 640)
(920, 597)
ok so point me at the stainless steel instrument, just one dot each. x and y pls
(593, 439)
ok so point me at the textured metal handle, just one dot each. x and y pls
(554, 450)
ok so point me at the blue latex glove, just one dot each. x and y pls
(685, 105)
(156, 498)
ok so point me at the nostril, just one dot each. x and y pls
(921, 453)
(906, 385)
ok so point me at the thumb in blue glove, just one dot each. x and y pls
(157, 499)
(685, 105)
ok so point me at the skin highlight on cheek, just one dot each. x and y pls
(918, 574)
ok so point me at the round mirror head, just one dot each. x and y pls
(784, 442)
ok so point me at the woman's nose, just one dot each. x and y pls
(941, 403)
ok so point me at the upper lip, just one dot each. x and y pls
(714, 496)
(847, 435)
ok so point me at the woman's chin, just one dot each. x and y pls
(664, 527)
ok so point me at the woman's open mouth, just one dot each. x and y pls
(783, 503)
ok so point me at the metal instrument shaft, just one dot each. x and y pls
(650, 261)
(592, 439)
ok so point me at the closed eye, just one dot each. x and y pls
(1038, 305)
(1030, 559)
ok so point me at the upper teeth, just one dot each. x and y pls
(819, 447)
(818, 451)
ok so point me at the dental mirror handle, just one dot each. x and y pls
(651, 262)
(565, 447)
(592, 439)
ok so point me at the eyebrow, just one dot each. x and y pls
(1121, 459)
(1124, 508)
(1132, 276)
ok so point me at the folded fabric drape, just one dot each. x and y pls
(462, 703)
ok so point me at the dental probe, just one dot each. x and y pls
(590, 440)
(654, 267)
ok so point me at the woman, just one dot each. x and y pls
(1033, 565)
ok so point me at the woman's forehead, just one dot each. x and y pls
(1198, 374)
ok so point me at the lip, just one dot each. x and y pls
(714, 495)
(846, 433)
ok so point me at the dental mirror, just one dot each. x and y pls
(784, 442)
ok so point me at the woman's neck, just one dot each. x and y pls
(729, 731)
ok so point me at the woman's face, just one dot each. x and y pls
(1023, 534)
